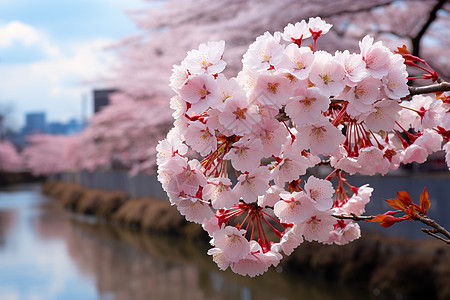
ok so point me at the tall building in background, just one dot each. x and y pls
(101, 98)
(35, 122)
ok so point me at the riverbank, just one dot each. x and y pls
(7, 178)
(390, 266)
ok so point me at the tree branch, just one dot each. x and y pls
(434, 88)
(424, 219)
(437, 229)
(431, 17)
(353, 217)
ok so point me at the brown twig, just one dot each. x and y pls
(354, 217)
(434, 88)
(437, 229)
(424, 219)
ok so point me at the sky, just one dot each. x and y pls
(51, 52)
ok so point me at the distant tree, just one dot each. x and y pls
(128, 129)
(10, 160)
(173, 27)
(47, 154)
(123, 134)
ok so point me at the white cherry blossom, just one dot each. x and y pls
(245, 155)
(295, 33)
(207, 59)
(294, 207)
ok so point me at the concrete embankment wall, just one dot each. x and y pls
(385, 187)
(140, 185)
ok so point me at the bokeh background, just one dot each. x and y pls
(84, 99)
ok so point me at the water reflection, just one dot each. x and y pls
(47, 254)
(167, 269)
(34, 263)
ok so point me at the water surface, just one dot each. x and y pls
(45, 253)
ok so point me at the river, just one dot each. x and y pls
(47, 253)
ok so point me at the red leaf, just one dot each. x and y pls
(396, 204)
(387, 220)
(402, 50)
(424, 202)
(405, 198)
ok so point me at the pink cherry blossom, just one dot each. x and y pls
(266, 52)
(289, 166)
(446, 148)
(297, 61)
(239, 116)
(219, 192)
(290, 240)
(200, 138)
(306, 105)
(194, 209)
(272, 90)
(317, 27)
(376, 56)
(354, 66)
(232, 242)
(256, 262)
(253, 184)
(322, 138)
(320, 192)
(245, 155)
(271, 197)
(294, 207)
(317, 227)
(295, 33)
(345, 232)
(200, 91)
(327, 74)
(384, 116)
(207, 59)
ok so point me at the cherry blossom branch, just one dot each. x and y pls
(437, 229)
(434, 88)
(431, 18)
(424, 219)
(282, 116)
(353, 217)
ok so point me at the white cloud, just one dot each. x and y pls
(56, 82)
(18, 32)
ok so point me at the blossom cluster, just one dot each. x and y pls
(233, 160)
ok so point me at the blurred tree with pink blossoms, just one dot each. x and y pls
(121, 135)
(48, 154)
(10, 160)
(171, 28)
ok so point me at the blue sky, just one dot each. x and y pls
(49, 49)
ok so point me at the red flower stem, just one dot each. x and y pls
(340, 115)
(404, 142)
(219, 161)
(265, 240)
(271, 216)
(277, 232)
(253, 228)
(292, 135)
(243, 222)
(331, 175)
(378, 143)
(428, 71)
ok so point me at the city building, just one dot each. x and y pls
(101, 98)
(35, 122)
